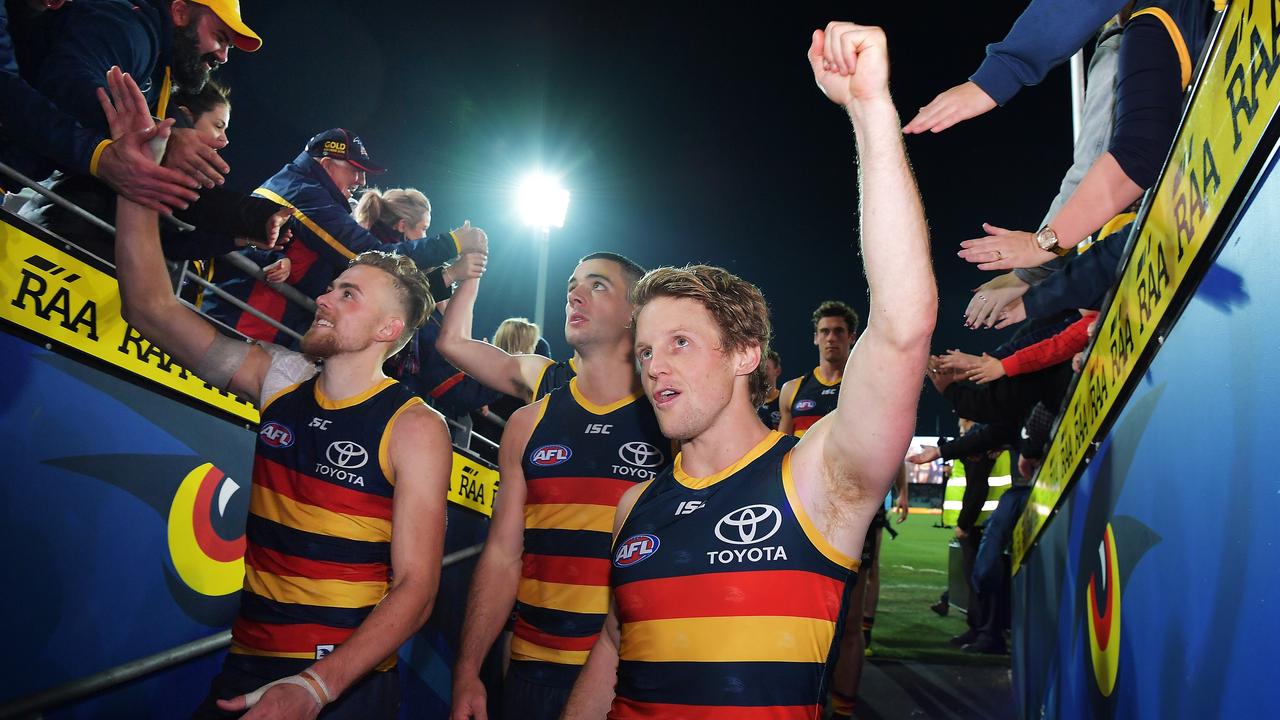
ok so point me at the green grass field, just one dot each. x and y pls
(913, 573)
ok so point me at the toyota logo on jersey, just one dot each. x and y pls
(347, 455)
(634, 549)
(749, 525)
(549, 455)
(640, 454)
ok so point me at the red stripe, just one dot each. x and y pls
(292, 638)
(570, 570)
(791, 593)
(804, 422)
(447, 385)
(626, 709)
(278, 563)
(303, 488)
(301, 258)
(576, 490)
(525, 631)
(269, 303)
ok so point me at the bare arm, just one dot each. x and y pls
(515, 375)
(857, 451)
(1104, 192)
(594, 689)
(903, 504)
(147, 299)
(497, 575)
(786, 397)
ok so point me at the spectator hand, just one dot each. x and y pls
(926, 455)
(468, 266)
(958, 363)
(471, 239)
(987, 370)
(939, 376)
(1027, 466)
(850, 63)
(278, 271)
(962, 102)
(1014, 313)
(197, 157)
(1077, 362)
(960, 533)
(991, 298)
(1004, 250)
(901, 507)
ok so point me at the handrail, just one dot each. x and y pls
(69, 692)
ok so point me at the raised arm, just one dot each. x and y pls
(147, 299)
(515, 375)
(497, 574)
(421, 459)
(858, 448)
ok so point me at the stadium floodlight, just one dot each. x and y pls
(542, 204)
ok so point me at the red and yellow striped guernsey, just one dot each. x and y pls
(812, 400)
(728, 598)
(318, 555)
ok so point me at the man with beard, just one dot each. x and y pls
(166, 45)
(344, 456)
(729, 568)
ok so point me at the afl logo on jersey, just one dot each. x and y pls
(805, 405)
(634, 549)
(549, 455)
(276, 435)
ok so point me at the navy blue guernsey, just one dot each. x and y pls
(728, 598)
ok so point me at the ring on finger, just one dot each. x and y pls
(999, 255)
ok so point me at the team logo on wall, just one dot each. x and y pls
(550, 455)
(1103, 615)
(206, 538)
(635, 549)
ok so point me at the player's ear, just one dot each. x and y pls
(390, 329)
(747, 360)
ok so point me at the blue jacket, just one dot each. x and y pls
(432, 378)
(50, 113)
(325, 240)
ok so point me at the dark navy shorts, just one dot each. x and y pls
(377, 695)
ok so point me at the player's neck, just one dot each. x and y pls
(831, 372)
(734, 432)
(606, 374)
(349, 374)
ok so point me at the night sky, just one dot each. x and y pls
(684, 134)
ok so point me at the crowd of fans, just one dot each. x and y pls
(303, 226)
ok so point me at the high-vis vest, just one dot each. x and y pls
(953, 498)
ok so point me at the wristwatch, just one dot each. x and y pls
(1047, 239)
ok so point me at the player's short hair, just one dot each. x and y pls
(411, 288)
(631, 270)
(835, 308)
(737, 306)
(773, 355)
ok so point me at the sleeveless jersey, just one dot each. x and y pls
(554, 375)
(579, 461)
(318, 555)
(813, 399)
(728, 598)
(768, 412)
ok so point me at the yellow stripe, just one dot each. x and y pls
(522, 649)
(817, 375)
(162, 107)
(279, 395)
(239, 649)
(598, 518)
(1184, 57)
(456, 245)
(644, 486)
(595, 409)
(538, 383)
(810, 530)
(728, 639)
(564, 596)
(384, 445)
(306, 591)
(1117, 222)
(97, 155)
(694, 483)
(275, 507)
(542, 410)
(311, 224)
(573, 363)
(325, 402)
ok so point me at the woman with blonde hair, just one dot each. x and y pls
(516, 336)
(401, 214)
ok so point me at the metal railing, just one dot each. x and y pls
(236, 260)
(59, 695)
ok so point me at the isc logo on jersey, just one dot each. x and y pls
(549, 455)
(276, 435)
(746, 528)
(634, 549)
(806, 405)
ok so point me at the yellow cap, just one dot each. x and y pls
(228, 11)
